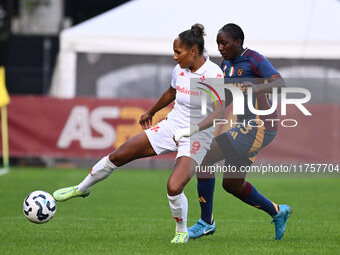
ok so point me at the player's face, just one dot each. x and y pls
(227, 46)
(183, 55)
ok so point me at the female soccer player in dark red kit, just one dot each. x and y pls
(239, 145)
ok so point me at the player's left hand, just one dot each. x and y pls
(185, 132)
(247, 84)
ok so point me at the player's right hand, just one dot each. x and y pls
(185, 132)
(145, 120)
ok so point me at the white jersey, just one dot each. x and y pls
(187, 110)
(188, 102)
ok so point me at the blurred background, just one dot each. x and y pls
(81, 72)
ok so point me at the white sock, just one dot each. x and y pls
(179, 208)
(99, 172)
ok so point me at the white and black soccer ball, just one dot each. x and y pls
(39, 207)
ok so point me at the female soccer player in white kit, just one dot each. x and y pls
(171, 134)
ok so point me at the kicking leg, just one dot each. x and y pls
(136, 147)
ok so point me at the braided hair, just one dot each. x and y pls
(234, 31)
(194, 36)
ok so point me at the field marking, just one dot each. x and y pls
(3, 171)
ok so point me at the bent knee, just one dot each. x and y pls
(174, 188)
(233, 187)
(120, 157)
(227, 187)
(115, 158)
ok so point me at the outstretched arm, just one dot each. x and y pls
(146, 118)
(275, 81)
(216, 114)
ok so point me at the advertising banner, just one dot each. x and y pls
(90, 128)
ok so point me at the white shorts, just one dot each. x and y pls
(161, 139)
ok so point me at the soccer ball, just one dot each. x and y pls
(39, 207)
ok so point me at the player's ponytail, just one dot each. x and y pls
(194, 36)
(198, 29)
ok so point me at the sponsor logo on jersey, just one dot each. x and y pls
(191, 92)
(181, 74)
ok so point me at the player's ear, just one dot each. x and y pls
(194, 51)
(238, 42)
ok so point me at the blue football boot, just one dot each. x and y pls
(280, 221)
(201, 228)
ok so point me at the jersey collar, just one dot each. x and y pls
(243, 52)
(203, 67)
(237, 58)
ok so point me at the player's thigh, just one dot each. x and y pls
(213, 155)
(196, 148)
(238, 141)
(161, 137)
(135, 147)
(249, 139)
(236, 168)
(181, 175)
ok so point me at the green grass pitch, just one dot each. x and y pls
(129, 214)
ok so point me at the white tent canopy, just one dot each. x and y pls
(277, 29)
